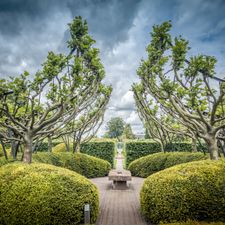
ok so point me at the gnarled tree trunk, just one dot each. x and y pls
(194, 145)
(28, 141)
(49, 144)
(3, 149)
(213, 149)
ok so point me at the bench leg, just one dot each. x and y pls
(113, 184)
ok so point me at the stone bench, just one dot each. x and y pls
(119, 176)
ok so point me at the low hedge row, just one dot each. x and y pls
(147, 165)
(44, 194)
(189, 191)
(83, 164)
(137, 149)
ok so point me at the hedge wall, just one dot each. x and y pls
(147, 165)
(83, 164)
(184, 147)
(189, 191)
(137, 149)
(102, 150)
(44, 194)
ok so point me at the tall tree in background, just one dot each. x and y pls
(182, 86)
(115, 127)
(70, 83)
(127, 132)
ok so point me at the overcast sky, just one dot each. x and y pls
(31, 28)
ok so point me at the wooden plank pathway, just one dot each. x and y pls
(120, 206)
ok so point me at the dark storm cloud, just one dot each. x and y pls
(109, 21)
(15, 13)
(29, 29)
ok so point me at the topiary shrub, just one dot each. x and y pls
(44, 194)
(83, 164)
(147, 165)
(194, 191)
(60, 148)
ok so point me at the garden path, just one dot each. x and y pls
(119, 206)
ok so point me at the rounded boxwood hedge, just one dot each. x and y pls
(194, 191)
(147, 165)
(83, 164)
(61, 147)
(44, 194)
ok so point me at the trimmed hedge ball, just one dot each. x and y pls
(44, 194)
(147, 165)
(60, 148)
(83, 164)
(194, 191)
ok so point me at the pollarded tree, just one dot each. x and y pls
(64, 87)
(183, 87)
(160, 126)
(85, 127)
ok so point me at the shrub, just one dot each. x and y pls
(83, 164)
(60, 148)
(147, 165)
(3, 161)
(44, 194)
(103, 150)
(137, 149)
(194, 190)
(47, 157)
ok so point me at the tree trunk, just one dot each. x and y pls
(213, 149)
(162, 146)
(194, 145)
(3, 149)
(14, 149)
(28, 142)
(49, 144)
(67, 143)
(221, 144)
(76, 147)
